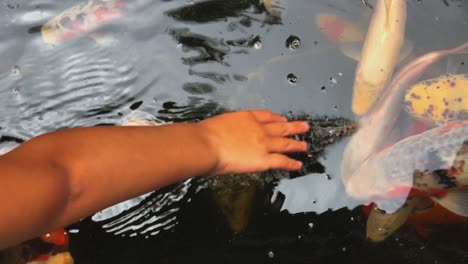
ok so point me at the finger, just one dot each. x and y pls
(287, 128)
(286, 145)
(282, 162)
(266, 116)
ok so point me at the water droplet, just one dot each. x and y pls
(352, 218)
(73, 231)
(333, 81)
(344, 249)
(328, 176)
(323, 89)
(257, 43)
(292, 78)
(293, 42)
(299, 237)
(340, 74)
(336, 107)
(16, 91)
(311, 225)
(271, 254)
(16, 70)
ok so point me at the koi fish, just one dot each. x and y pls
(353, 50)
(380, 224)
(380, 53)
(338, 29)
(419, 213)
(439, 100)
(273, 7)
(375, 126)
(441, 182)
(432, 165)
(60, 258)
(82, 19)
(349, 37)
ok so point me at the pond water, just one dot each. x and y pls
(185, 60)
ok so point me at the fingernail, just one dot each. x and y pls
(306, 125)
(299, 164)
(305, 146)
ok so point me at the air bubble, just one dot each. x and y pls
(292, 78)
(271, 254)
(16, 70)
(293, 42)
(257, 44)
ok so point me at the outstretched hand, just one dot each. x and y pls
(252, 141)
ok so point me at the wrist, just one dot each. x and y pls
(211, 143)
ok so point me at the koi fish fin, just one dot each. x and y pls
(455, 201)
(273, 7)
(102, 39)
(381, 224)
(353, 50)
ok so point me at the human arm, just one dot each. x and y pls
(58, 178)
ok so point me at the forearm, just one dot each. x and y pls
(106, 165)
(96, 167)
(58, 178)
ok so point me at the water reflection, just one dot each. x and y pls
(178, 61)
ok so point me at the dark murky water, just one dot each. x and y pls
(187, 60)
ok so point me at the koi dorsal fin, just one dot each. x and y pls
(455, 201)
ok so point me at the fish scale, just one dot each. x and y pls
(430, 153)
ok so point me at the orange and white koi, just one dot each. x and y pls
(431, 164)
(430, 169)
(82, 19)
